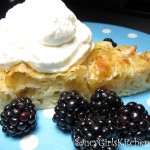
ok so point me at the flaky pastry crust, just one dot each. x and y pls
(119, 69)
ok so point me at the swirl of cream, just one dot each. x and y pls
(46, 21)
(45, 34)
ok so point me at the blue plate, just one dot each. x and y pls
(47, 136)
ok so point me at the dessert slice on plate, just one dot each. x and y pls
(119, 69)
(43, 53)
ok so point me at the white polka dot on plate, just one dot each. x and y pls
(132, 35)
(106, 31)
(148, 102)
(29, 142)
(48, 113)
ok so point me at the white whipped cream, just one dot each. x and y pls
(45, 34)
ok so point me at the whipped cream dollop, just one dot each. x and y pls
(45, 34)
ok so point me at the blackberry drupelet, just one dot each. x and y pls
(70, 108)
(94, 134)
(105, 103)
(18, 117)
(110, 40)
(134, 122)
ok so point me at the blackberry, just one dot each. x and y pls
(70, 108)
(105, 103)
(18, 117)
(134, 122)
(110, 40)
(94, 134)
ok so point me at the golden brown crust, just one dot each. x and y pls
(119, 69)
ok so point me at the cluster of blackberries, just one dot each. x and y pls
(97, 124)
(18, 117)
